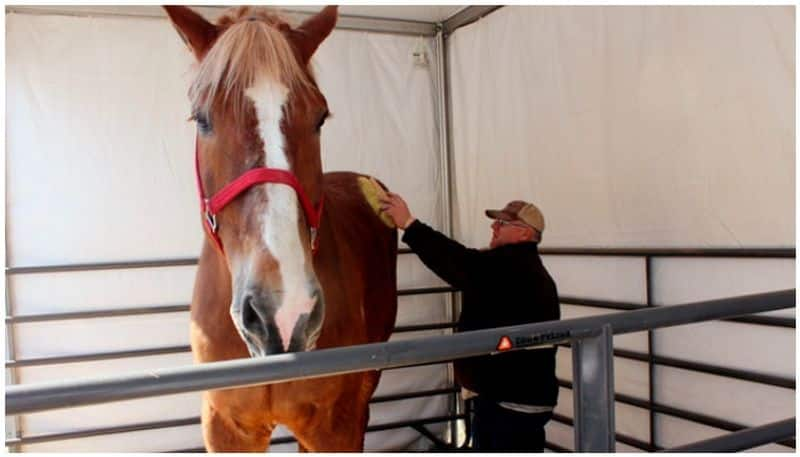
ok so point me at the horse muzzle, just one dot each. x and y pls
(277, 322)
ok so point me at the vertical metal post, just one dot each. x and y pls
(593, 391)
(651, 366)
(443, 122)
(13, 425)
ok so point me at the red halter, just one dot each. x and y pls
(211, 206)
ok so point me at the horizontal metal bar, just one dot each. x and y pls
(467, 16)
(772, 321)
(654, 252)
(743, 439)
(381, 25)
(406, 396)
(49, 437)
(133, 264)
(80, 267)
(91, 357)
(95, 356)
(139, 11)
(39, 361)
(426, 290)
(745, 375)
(100, 313)
(409, 423)
(606, 304)
(417, 328)
(674, 252)
(709, 420)
(667, 316)
(622, 438)
(375, 356)
(677, 412)
(140, 310)
(345, 21)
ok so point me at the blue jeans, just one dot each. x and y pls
(498, 429)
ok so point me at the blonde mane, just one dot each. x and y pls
(251, 46)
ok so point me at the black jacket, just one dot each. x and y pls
(503, 286)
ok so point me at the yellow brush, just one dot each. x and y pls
(373, 192)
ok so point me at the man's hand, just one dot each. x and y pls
(397, 209)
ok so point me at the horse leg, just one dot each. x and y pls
(333, 433)
(222, 433)
(341, 426)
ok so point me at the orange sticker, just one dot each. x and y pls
(504, 344)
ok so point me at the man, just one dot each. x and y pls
(503, 285)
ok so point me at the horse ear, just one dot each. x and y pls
(313, 31)
(195, 31)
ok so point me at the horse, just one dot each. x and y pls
(293, 259)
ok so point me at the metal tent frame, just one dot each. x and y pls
(589, 337)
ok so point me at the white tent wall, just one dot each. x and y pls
(100, 169)
(629, 126)
(642, 127)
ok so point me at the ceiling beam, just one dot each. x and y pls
(467, 16)
(346, 22)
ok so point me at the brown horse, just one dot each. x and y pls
(260, 289)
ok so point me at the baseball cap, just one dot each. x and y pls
(519, 210)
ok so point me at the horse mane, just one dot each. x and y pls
(251, 44)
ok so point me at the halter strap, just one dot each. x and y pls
(211, 206)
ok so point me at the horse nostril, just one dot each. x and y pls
(249, 315)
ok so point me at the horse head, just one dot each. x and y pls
(257, 107)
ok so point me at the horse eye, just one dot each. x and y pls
(203, 124)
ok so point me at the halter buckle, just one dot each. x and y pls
(211, 218)
(313, 237)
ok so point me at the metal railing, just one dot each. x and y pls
(648, 357)
(49, 437)
(744, 439)
(649, 256)
(23, 439)
(590, 336)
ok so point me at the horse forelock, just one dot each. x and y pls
(251, 46)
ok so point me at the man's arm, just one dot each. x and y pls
(449, 259)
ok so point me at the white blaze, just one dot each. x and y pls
(279, 222)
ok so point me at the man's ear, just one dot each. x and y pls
(313, 31)
(528, 233)
(195, 31)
